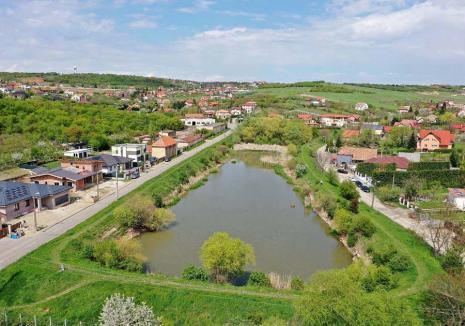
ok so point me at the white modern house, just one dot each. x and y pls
(361, 106)
(197, 120)
(136, 152)
(78, 153)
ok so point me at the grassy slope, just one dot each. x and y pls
(34, 285)
(378, 97)
(411, 283)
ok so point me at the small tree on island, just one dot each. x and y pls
(224, 256)
(120, 310)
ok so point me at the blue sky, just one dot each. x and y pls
(378, 41)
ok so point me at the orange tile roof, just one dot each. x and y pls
(347, 133)
(164, 141)
(359, 153)
(445, 137)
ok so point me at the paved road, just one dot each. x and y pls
(12, 250)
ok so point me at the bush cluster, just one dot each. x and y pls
(192, 272)
(390, 257)
(259, 279)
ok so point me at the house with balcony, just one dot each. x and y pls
(136, 152)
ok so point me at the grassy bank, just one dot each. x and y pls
(35, 286)
(411, 283)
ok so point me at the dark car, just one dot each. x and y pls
(359, 184)
(343, 171)
(365, 188)
(167, 159)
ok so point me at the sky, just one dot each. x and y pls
(373, 41)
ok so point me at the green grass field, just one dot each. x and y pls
(380, 98)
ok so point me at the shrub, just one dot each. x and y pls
(259, 279)
(348, 190)
(120, 254)
(343, 221)
(352, 239)
(389, 194)
(382, 255)
(354, 205)
(158, 200)
(192, 272)
(378, 277)
(300, 170)
(291, 164)
(363, 225)
(161, 217)
(399, 263)
(297, 283)
(326, 202)
(332, 177)
(452, 260)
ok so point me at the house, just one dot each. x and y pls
(189, 141)
(378, 130)
(309, 119)
(189, 103)
(197, 119)
(317, 101)
(404, 109)
(136, 152)
(80, 98)
(168, 133)
(78, 153)
(458, 127)
(144, 139)
(223, 114)
(235, 112)
(401, 162)
(111, 164)
(350, 134)
(164, 148)
(361, 106)
(94, 166)
(349, 155)
(249, 107)
(214, 128)
(430, 140)
(407, 123)
(337, 120)
(456, 197)
(17, 198)
(71, 177)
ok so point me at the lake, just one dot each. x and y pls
(256, 205)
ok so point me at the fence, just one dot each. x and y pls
(17, 319)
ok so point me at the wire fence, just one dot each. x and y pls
(21, 319)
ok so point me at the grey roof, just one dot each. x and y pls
(67, 173)
(12, 192)
(110, 160)
(372, 126)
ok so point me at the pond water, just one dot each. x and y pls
(257, 206)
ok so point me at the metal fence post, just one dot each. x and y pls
(35, 320)
(6, 318)
(66, 322)
(20, 320)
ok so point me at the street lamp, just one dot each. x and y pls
(34, 197)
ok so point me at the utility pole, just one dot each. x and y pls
(35, 213)
(117, 176)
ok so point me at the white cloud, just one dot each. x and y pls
(143, 24)
(364, 41)
(197, 6)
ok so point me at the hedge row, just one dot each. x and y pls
(370, 168)
(447, 178)
(420, 166)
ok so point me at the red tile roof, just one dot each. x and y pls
(445, 137)
(387, 129)
(347, 133)
(164, 141)
(340, 116)
(305, 116)
(358, 153)
(400, 162)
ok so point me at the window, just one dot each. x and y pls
(36, 182)
(57, 183)
(70, 184)
(28, 202)
(17, 207)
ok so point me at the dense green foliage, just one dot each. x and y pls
(225, 257)
(265, 130)
(447, 178)
(259, 279)
(421, 166)
(62, 122)
(192, 272)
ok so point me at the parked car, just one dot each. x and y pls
(343, 171)
(167, 159)
(359, 184)
(353, 179)
(365, 188)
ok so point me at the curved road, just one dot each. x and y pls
(12, 250)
